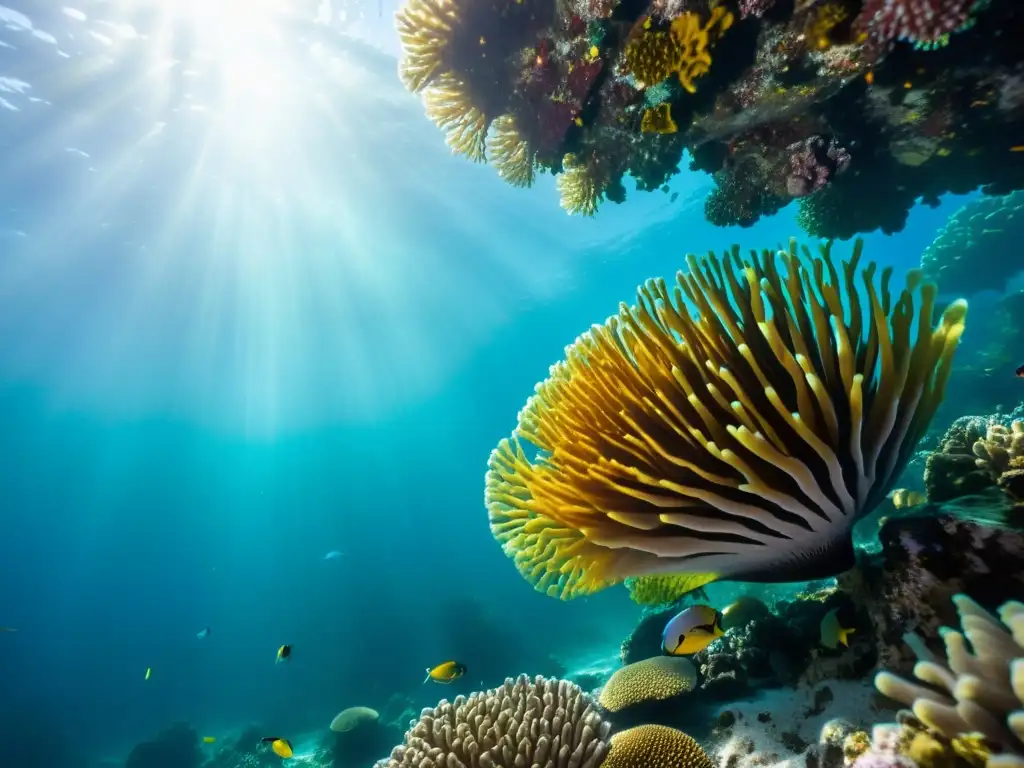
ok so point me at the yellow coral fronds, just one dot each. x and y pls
(449, 106)
(684, 49)
(736, 424)
(510, 153)
(658, 120)
(579, 190)
(425, 30)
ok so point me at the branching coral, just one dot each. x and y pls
(684, 49)
(510, 153)
(978, 688)
(425, 28)
(740, 439)
(524, 722)
(653, 679)
(465, 126)
(656, 746)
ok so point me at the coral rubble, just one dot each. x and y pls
(856, 108)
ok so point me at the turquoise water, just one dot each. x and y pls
(250, 316)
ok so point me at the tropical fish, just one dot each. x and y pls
(692, 629)
(209, 739)
(204, 632)
(332, 555)
(834, 634)
(903, 498)
(149, 671)
(8, 629)
(447, 672)
(281, 747)
(283, 654)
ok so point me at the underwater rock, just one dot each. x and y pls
(175, 747)
(644, 641)
(724, 677)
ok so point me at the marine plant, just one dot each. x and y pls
(734, 425)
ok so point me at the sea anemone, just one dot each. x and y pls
(733, 426)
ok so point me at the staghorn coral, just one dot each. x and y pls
(658, 120)
(542, 722)
(449, 106)
(653, 679)
(652, 55)
(510, 153)
(978, 688)
(708, 446)
(425, 29)
(655, 746)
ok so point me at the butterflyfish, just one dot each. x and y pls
(209, 739)
(204, 632)
(149, 671)
(903, 498)
(834, 634)
(283, 654)
(281, 747)
(692, 629)
(448, 672)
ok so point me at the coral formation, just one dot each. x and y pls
(977, 248)
(523, 722)
(707, 443)
(923, 96)
(653, 679)
(977, 689)
(655, 746)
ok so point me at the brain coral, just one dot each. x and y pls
(656, 746)
(654, 679)
(542, 722)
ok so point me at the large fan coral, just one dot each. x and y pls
(524, 722)
(980, 686)
(734, 425)
(425, 28)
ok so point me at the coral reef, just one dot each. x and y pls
(654, 679)
(525, 721)
(977, 249)
(973, 699)
(704, 443)
(858, 108)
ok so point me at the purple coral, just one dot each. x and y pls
(756, 8)
(813, 164)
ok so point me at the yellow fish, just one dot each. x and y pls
(834, 634)
(149, 671)
(283, 654)
(446, 673)
(208, 739)
(902, 498)
(691, 630)
(281, 747)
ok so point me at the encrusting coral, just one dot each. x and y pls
(655, 746)
(723, 441)
(539, 721)
(977, 689)
(653, 679)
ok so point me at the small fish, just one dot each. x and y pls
(204, 632)
(209, 739)
(834, 634)
(283, 654)
(149, 671)
(8, 629)
(281, 747)
(332, 555)
(448, 672)
(1017, 148)
(691, 630)
(903, 498)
